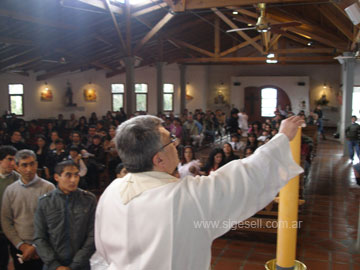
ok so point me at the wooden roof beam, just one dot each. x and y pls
(15, 41)
(26, 18)
(154, 30)
(201, 4)
(261, 59)
(217, 36)
(326, 12)
(274, 40)
(122, 42)
(192, 47)
(128, 27)
(238, 47)
(297, 30)
(148, 10)
(305, 50)
(240, 33)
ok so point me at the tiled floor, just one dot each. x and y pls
(330, 217)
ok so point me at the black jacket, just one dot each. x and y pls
(64, 229)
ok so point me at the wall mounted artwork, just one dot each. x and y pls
(90, 95)
(46, 95)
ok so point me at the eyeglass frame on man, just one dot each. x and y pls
(173, 139)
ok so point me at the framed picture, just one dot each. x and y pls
(90, 95)
(46, 95)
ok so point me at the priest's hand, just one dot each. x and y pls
(290, 125)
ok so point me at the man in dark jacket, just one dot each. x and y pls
(64, 222)
(352, 134)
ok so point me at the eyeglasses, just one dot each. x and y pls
(173, 139)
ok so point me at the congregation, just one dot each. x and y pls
(82, 152)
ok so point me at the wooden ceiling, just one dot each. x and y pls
(50, 37)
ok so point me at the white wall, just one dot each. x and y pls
(290, 85)
(203, 82)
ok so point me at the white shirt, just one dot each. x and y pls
(183, 169)
(159, 227)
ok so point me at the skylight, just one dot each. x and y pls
(132, 2)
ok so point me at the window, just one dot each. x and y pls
(268, 102)
(117, 97)
(141, 90)
(16, 97)
(168, 97)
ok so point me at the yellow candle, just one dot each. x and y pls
(288, 214)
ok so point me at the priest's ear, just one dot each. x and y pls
(157, 160)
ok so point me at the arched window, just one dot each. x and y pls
(268, 102)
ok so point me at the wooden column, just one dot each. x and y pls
(182, 88)
(160, 87)
(129, 85)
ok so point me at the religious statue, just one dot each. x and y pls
(69, 96)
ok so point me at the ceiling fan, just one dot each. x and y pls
(262, 25)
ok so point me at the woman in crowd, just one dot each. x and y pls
(229, 153)
(82, 126)
(188, 164)
(41, 151)
(252, 141)
(215, 160)
(54, 136)
(248, 151)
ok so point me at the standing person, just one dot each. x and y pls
(320, 124)
(64, 222)
(352, 134)
(17, 212)
(7, 176)
(173, 208)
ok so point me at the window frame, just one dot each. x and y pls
(14, 95)
(261, 101)
(142, 93)
(112, 96)
(172, 99)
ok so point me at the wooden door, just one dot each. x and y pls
(253, 101)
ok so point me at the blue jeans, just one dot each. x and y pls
(352, 145)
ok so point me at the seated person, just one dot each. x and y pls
(264, 135)
(236, 144)
(248, 151)
(215, 160)
(229, 153)
(188, 164)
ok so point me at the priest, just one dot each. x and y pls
(150, 220)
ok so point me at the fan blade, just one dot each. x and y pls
(241, 29)
(276, 30)
(287, 24)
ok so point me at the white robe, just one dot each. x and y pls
(157, 226)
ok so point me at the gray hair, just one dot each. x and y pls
(24, 154)
(137, 141)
